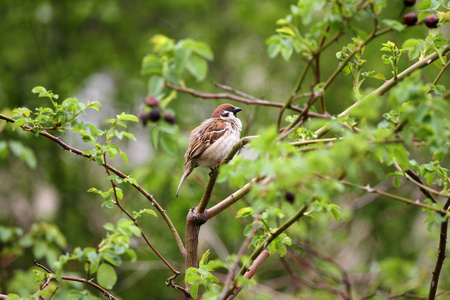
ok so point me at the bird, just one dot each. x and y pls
(211, 141)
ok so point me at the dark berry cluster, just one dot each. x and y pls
(154, 115)
(410, 19)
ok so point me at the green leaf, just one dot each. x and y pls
(23, 153)
(286, 53)
(273, 49)
(203, 50)
(243, 212)
(18, 123)
(182, 55)
(151, 65)
(127, 117)
(106, 276)
(129, 135)
(146, 211)
(154, 134)
(109, 226)
(39, 90)
(197, 66)
(194, 290)
(112, 258)
(169, 144)
(397, 182)
(155, 85)
(285, 31)
(124, 156)
(424, 5)
(393, 24)
(379, 76)
(430, 178)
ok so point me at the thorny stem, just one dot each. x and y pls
(113, 170)
(273, 236)
(239, 255)
(441, 255)
(251, 271)
(85, 281)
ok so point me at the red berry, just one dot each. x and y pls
(410, 19)
(154, 115)
(409, 2)
(289, 196)
(169, 118)
(151, 101)
(431, 21)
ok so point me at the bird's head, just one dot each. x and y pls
(226, 111)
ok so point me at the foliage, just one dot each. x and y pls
(302, 190)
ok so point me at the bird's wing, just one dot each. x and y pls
(203, 137)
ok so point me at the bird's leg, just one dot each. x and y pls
(215, 167)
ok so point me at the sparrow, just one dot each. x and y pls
(210, 142)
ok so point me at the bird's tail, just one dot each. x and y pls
(187, 170)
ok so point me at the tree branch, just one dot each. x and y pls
(251, 101)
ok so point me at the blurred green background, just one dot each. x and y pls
(92, 50)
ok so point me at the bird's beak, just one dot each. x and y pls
(236, 110)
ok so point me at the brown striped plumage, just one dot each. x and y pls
(210, 142)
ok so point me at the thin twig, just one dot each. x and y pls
(297, 88)
(315, 285)
(230, 89)
(441, 72)
(117, 202)
(368, 189)
(314, 141)
(387, 85)
(251, 101)
(85, 281)
(387, 296)
(345, 276)
(251, 271)
(441, 255)
(414, 178)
